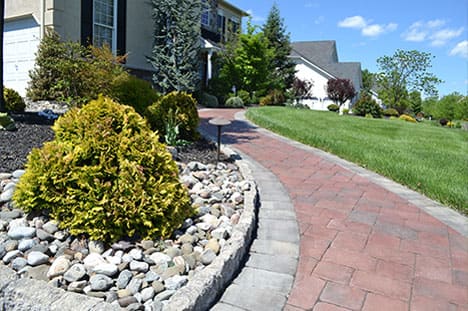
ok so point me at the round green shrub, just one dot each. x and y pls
(333, 107)
(132, 91)
(13, 101)
(345, 111)
(234, 102)
(367, 105)
(187, 114)
(274, 98)
(209, 100)
(105, 175)
(391, 112)
(245, 96)
(407, 118)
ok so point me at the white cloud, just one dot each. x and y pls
(441, 37)
(432, 31)
(367, 29)
(461, 49)
(353, 22)
(319, 20)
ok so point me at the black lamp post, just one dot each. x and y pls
(219, 122)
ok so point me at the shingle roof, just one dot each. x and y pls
(324, 55)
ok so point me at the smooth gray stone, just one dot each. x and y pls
(75, 273)
(100, 282)
(37, 258)
(18, 233)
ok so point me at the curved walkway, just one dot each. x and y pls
(365, 242)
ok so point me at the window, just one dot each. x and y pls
(221, 25)
(105, 23)
(205, 17)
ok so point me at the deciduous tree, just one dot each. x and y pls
(404, 72)
(340, 90)
(176, 47)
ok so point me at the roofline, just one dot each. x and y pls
(311, 64)
(233, 7)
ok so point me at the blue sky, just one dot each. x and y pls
(365, 30)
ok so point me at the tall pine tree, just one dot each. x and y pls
(176, 47)
(279, 41)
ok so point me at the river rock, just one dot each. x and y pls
(100, 282)
(75, 273)
(37, 258)
(59, 266)
(26, 244)
(18, 263)
(139, 266)
(106, 269)
(96, 247)
(175, 282)
(124, 278)
(18, 233)
(207, 256)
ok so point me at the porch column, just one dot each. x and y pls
(209, 66)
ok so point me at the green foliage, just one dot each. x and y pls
(132, 91)
(345, 111)
(403, 72)
(234, 102)
(368, 81)
(105, 175)
(390, 112)
(407, 118)
(415, 102)
(72, 73)
(172, 130)
(274, 98)
(175, 56)
(13, 100)
(246, 62)
(282, 67)
(367, 105)
(333, 107)
(245, 96)
(209, 100)
(452, 106)
(187, 116)
(6, 122)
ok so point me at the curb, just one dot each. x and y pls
(205, 288)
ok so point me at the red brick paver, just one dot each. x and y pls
(362, 247)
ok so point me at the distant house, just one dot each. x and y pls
(127, 27)
(317, 61)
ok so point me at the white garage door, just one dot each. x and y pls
(20, 42)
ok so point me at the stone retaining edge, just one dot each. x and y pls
(205, 288)
(199, 294)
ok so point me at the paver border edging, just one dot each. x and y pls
(204, 289)
(199, 294)
(446, 215)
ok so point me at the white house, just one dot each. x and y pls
(317, 62)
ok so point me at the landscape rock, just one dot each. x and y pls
(37, 258)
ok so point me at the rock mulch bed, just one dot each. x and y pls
(136, 275)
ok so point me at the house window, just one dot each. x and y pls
(234, 25)
(221, 25)
(205, 17)
(105, 23)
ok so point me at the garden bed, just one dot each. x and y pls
(132, 273)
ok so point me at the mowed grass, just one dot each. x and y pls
(429, 159)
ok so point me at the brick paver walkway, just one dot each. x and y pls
(362, 247)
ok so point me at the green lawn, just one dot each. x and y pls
(432, 160)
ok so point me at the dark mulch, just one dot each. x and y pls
(33, 130)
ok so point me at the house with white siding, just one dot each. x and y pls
(317, 62)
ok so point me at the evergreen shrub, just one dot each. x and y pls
(187, 114)
(234, 102)
(105, 175)
(391, 112)
(274, 98)
(132, 91)
(333, 107)
(367, 105)
(13, 101)
(209, 100)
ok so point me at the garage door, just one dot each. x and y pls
(20, 42)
